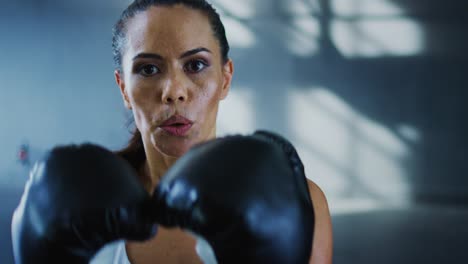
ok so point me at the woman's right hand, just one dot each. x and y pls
(77, 199)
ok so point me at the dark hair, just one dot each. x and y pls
(119, 32)
(134, 151)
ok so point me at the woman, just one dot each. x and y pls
(173, 69)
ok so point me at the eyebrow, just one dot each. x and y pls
(159, 57)
(194, 51)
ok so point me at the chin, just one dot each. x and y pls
(172, 146)
(174, 152)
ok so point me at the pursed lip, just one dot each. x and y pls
(176, 125)
(176, 120)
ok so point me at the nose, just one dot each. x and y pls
(175, 91)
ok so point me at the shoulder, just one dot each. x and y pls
(318, 197)
(322, 248)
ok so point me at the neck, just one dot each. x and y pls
(154, 168)
(157, 164)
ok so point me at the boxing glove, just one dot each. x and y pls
(77, 199)
(246, 196)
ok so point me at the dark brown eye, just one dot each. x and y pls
(148, 70)
(195, 66)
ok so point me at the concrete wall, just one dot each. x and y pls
(371, 92)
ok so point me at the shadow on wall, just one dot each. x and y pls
(376, 100)
(387, 62)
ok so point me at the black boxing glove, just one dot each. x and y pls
(245, 195)
(295, 161)
(76, 200)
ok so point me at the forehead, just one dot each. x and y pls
(169, 30)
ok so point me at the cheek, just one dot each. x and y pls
(140, 89)
(144, 105)
(208, 99)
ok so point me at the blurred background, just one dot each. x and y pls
(373, 94)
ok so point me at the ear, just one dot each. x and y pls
(228, 71)
(120, 82)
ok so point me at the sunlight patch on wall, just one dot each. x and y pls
(381, 138)
(236, 113)
(328, 131)
(380, 166)
(237, 8)
(365, 8)
(352, 157)
(377, 38)
(374, 28)
(238, 34)
(302, 35)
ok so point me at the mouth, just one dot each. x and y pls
(177, 125)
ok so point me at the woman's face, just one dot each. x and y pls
(173, 77)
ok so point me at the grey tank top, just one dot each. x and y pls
(115, 253)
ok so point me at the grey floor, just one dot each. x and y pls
(422, 234)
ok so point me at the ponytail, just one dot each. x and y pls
(134, 152)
